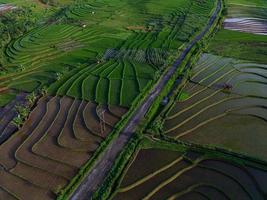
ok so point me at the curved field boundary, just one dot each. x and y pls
(248, 25)
(103, 165)
(107, 82)
(217, 93)
(7, 114)
(204, 173)
(54, 49)
(44, 155)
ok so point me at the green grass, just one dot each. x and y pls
(141, 34)
(239, 45)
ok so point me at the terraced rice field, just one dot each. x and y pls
(109, 52)
(60, 135)
(165, 174)
(7, 114)
(94, 57)
(90, 62)
(244, 33)
(225, 106)
(107, 83)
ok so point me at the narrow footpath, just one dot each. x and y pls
(104, 164)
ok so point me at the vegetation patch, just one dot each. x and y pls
(82, 37)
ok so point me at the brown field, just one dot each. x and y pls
(7, 114)
(5, 195)
(164, 174)
(225, 104)
(60, 135)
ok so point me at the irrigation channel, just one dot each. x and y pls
(105, 162)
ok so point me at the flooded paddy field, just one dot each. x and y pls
(166, 174)
(249, 25)
(225, 106)
(8, 113)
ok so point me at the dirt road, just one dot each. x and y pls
(98, 173)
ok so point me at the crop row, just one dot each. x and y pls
(50, 42)
(225, 101)
(60, 135)
(7, 114)
(255, 26)
(113, 82)
(141, 46)
(168, 174)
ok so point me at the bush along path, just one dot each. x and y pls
(102, 166)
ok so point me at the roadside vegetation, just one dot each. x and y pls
(212, 128)
(73, 73)
(93, 63)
